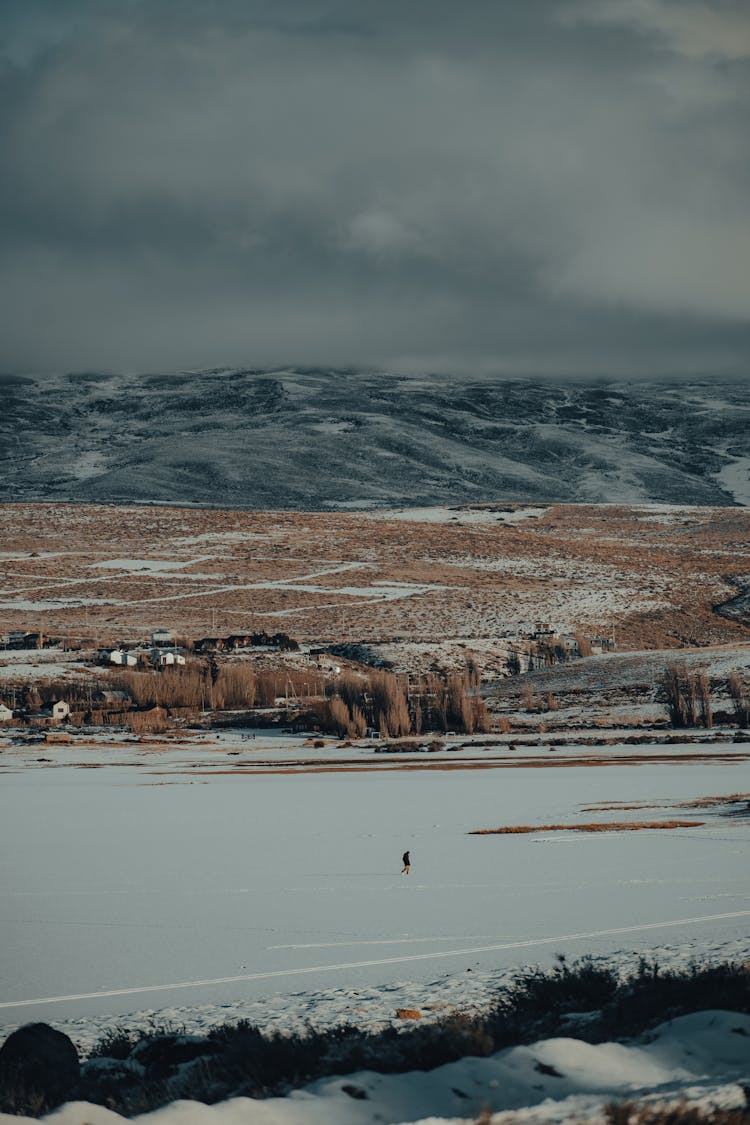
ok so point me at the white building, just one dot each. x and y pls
(5, 713)
(166, 656)
(57, 710)
(161, 637)
(117, 656)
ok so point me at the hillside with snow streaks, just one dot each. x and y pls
(313, 439)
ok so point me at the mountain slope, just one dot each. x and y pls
(321, 439)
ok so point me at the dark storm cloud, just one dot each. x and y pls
(557, 186)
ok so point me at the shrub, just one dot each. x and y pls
(241, 1060)
(679, 1113)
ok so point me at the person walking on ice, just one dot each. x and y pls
(407, 864)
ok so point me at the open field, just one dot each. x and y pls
(417, 586)
(210, 870)
(162, 877)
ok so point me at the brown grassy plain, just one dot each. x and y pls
(472, 576)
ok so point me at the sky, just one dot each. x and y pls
(510, 187)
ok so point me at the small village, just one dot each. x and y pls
(167, 681)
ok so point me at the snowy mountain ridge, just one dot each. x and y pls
(315, 439)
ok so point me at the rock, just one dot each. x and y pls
(355, 1092)
(39, 1069)
(546, 1069)
(408, 1014)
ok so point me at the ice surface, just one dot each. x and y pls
(132, 879)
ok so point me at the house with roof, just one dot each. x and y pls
(123, 659)
(5, 713)
(57, 710)
(165, 657)
(116, 699)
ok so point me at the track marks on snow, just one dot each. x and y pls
(526, 943)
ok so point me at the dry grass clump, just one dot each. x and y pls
(712, 802)
(674, 1113)
(155, 720)
(622, 808)
(611, 826)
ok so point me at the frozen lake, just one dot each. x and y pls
(117, 885)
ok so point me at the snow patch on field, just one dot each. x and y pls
(155, 566)
(371, 1007)
(458, 515)
(37, 670)
(735, 478)
(47, 604)
(668, 514)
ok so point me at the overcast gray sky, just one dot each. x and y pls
(511, 186)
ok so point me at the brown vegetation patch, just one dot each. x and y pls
(463, 584)
(622, 808)
(673, 1113)
(359, 766)
(712, 802)
(612, 826)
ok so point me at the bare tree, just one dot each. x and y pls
(687, 696)
(739, 692)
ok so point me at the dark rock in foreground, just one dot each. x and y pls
(39, 1069)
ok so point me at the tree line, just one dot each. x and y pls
(688, 699)
(396, 706)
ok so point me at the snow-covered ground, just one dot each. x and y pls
(151, 884)
(459, 514)
(175, 876)
(698, 1059)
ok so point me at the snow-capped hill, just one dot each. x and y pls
(311, 439)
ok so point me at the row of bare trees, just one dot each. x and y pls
(396, 705)
(739, 693)
(217, 686)
(687, 696)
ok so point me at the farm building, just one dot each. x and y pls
(161, 637)
(114, 698)
(5, 713)
(127, 659)
(53, 712)
(165, 657)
